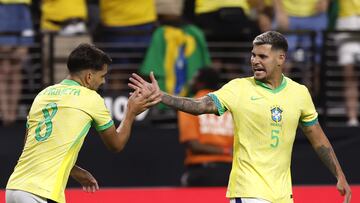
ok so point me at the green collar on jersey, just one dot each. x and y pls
(70, 82)
(276, 90)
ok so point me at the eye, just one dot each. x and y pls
(263, 56)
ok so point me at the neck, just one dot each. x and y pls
(77, 79)
(275, 82)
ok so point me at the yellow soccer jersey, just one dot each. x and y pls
(58, 122)
(265, 123)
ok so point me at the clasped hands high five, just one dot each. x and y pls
(149, 94)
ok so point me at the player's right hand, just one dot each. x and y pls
(344, 189)
(139, 101)
(137, 82)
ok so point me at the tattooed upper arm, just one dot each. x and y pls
(190, 105)
(208, 105)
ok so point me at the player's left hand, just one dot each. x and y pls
(344, 189)
(88, 182)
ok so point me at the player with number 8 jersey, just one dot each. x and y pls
(50, 125)
(58, 121)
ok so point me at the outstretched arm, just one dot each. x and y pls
(324, 150)
(115, 139)
(190, 105)
(193, 106)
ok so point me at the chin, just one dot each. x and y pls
(259, 77)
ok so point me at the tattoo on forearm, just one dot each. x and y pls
(190, 105)
(327, 157)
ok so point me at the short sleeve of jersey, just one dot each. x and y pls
(100, 114)
(225, 97)
(309, 116)
(188, 127)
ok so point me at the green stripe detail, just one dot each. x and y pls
(70, 82)
(104, 127)
(221, 109)
(310, 123)
(276, 90)
(83, 132)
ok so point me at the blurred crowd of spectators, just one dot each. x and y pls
(145, 21)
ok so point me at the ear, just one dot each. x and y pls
(88, 78)
(281, 58)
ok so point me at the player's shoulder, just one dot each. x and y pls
(46, 89)
(242, 81)
(90, 95)
(292, 83)
(72, 89)
(295, 85)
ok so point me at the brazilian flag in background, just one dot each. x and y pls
(174, 55)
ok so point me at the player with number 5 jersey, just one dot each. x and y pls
(266, 110)
(268, 118)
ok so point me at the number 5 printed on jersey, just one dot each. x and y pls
(49, 112)
(275, 137)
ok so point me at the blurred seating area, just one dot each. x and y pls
(174, 39)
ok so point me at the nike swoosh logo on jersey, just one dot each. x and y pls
(255, 98)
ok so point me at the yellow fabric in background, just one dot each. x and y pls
(174, 39)
(61, 10)
(15, 1)
(205, 6)
(349, 8)
(127, 13)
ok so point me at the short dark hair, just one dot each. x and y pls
(87, 56)
(275, 39)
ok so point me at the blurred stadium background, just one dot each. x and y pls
(150, 167)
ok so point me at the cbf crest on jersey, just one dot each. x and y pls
(276, 114)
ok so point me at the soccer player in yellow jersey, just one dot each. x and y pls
(266, 110)
(59, 119)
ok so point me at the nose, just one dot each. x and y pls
(254, 60)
